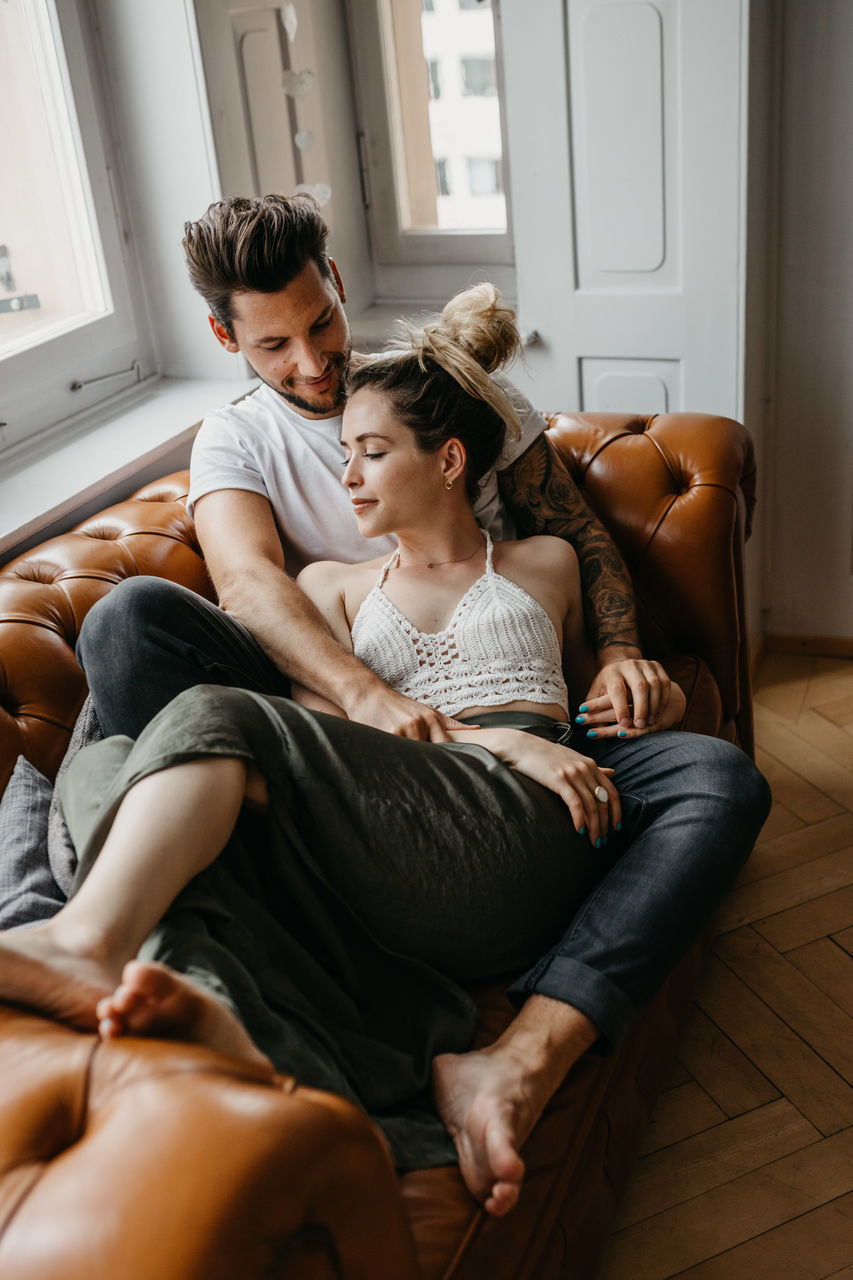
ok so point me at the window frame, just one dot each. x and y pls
(392, 245)
(112, 351)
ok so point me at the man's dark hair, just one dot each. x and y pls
(253, 245)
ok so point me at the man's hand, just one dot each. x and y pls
(383, 708)
(630, 693)
(598, 715)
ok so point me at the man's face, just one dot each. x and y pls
(297, 340)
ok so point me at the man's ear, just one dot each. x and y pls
(222, 335)
(339, 284)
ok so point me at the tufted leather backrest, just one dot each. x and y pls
(46, 593)
(675, 491)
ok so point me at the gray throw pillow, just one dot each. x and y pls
(60, 850)
(28, 891)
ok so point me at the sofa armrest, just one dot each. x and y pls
(676, 492)
(141, 1158)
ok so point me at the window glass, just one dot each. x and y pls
(484, 176)
(51, 270)
(444, 106)
(478, 77)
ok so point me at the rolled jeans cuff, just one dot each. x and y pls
(586, 989)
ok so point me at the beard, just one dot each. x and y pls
(324, 403)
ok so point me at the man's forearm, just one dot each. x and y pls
(544, 499)
(294, 635)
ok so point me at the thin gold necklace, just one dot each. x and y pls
(434, 564)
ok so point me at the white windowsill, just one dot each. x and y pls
(63, 474)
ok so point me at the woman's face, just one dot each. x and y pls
(391, 483)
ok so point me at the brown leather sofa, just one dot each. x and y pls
(146, 1160)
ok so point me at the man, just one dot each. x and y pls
(266, 497)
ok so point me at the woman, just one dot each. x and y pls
(324, 887)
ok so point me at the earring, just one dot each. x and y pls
(448, 484)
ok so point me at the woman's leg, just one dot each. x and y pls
(169, 827)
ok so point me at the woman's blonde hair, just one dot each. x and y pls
(437, 378)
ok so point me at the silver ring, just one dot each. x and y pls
(601, 795)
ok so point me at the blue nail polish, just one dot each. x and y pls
(584, 707)
(618, 826)
(590, 733)
(623, 733)
(582, 831)
(580, 719)
(598, 843)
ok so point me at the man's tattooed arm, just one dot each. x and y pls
(543, 498)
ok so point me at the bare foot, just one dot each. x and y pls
(153, 1000)
(489, 1111)
(490, 1099)
(37, 973)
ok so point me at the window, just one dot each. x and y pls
(484, 176)
(66, 323)
(419, 125)
(478, 77)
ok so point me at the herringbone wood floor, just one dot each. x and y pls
(747, 1172)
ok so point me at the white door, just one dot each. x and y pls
(625, 127)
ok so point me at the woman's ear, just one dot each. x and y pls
(454, 458)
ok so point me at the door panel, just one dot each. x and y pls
(627, 206)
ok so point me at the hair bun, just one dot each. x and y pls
(483, 323)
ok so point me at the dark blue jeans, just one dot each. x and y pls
(692, 806)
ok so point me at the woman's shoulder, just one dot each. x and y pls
(328, 572)
(540, 551)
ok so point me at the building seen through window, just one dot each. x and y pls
(445, 109)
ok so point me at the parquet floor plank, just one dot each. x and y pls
(808, 1011)
(829, 914)
(844, 938)
(778, 1052)
(805, 845)
(780, 822)
(756, 1202)
(695, 1165)
(680, 1112)
(782, 683)
(839, 711)
(792, 888)
(810, 1247)
(748, 1172)
(806, 801)
(829, 967)
(726, 1074)
(829, 680)
(826, 737)
(678, 1075)
(781, 741)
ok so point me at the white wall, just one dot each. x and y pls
(809, 454)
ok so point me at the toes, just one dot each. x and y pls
(505, 1164)
(503, 1198)
(148, 979)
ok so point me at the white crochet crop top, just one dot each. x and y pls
(500, 646)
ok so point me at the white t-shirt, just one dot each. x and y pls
(264, 446)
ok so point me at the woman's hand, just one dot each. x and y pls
(600, 718)
(572, 776)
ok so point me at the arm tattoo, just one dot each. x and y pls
(544, 498)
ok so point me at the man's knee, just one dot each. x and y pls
(122, 620)
(732, 775)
